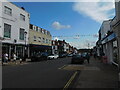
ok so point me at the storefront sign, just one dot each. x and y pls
(109, 38)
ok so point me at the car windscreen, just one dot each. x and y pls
(76, 56)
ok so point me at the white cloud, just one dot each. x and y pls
(97, 11)
(58, 25)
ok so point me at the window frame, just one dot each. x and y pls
(9, 36)
(23, 38)
(34, 38)
(6, 10)
(22, 17)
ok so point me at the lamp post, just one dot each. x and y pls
(25, 33)
(1, 39)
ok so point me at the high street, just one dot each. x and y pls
(44, 74)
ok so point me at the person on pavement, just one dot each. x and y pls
(14, 57)
(88, 57)
(6, 57)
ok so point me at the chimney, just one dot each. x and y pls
(23, 8)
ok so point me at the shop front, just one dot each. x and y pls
(110, 48)
(18, 49)
(34, 49)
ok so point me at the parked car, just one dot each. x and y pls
(85, 55)
(78, 58)
(53, 56)
(39, 56)
(70, 55)
(62, 55)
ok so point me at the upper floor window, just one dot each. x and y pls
(22, 34)
(43, 40)
(34, 28)
(35, 38)
(31, 26)
(22, 17)
(8, 11)
(37, 29)
(46, 32)
(7, 30)
(50, 41)
(39, 39)
(46, 40)
(42, 31)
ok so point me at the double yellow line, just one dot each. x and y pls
(70, 80)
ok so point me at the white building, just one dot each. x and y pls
(108, 41)
(14, 22)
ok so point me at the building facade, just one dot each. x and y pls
(40, 40)
(115, 25)
(107, 43)
(55, 47)
(14, 27)
(61, 46)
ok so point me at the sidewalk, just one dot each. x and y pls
(106, 76)
(15, 63)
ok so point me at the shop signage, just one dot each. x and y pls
(109, 38)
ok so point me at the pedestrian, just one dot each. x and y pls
(95, 55)
(14, 57)
(88, 57)
(20, 60)
(6, 57)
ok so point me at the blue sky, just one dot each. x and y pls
(65, 20)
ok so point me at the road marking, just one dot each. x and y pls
(70, 80)
(62, 67)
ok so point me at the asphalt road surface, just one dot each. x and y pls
(43, 74)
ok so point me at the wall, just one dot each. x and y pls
(33, 33)
(105, 27)
(15, 23)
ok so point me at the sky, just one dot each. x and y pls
(76, 22)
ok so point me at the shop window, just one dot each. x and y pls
(7, 30)
(115, 52)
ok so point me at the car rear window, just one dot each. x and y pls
(77, 56)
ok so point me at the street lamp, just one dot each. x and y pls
(25, 33)
(1, 39)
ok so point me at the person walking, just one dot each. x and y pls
(95, 55)
(88, 57)
(6, 57)
(14, 57)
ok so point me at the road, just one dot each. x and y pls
(43, 74)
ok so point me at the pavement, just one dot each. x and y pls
(10, 63)
(97, 75)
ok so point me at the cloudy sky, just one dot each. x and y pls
(76, 22)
